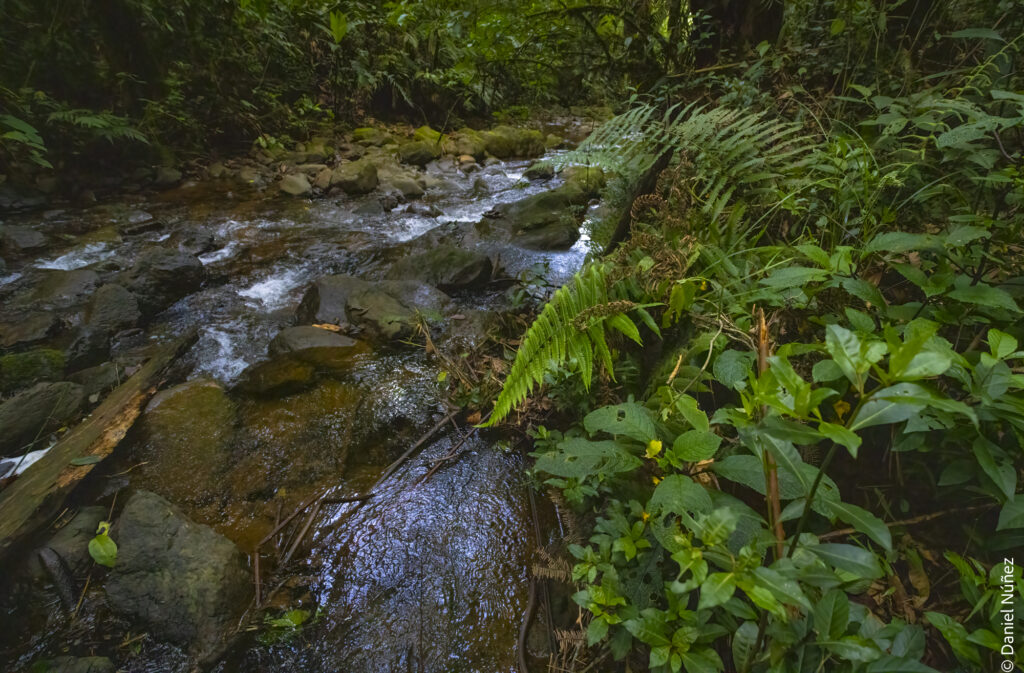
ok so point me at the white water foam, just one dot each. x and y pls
(79, 257)
(273, 292)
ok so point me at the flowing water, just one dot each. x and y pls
(427, 575)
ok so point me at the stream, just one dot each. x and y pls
(429, 574)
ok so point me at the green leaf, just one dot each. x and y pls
(956, 635)
(688, 409)
(1012, 514)
(339, 26)
(863, 521)
(696, 445)
(891, 405)
(678, 494)
(786, 590)
(85, 460)
(838, 25)
(102, 549)
(985, 295)
(597, 630)
(628, 420)
(976, 34)
(732, 368)
(744, 640)
(832, 615)
(1001, 344)
(701, 661)
(579, 458)
(1002, 474)
(841, 436)
(854, 648)
(716, 589)
(793, 276)
(900, 241)
(847, 557)
(892, 664)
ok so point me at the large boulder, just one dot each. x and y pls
(112, 308)
(543, 221)
(505, 142)
(467, 142)
(56, 289)
(71, 542)
(36, 412)
(419, 152)
(316, 346)
(161, 277)
(446, 267)
(179, 580)
(355, 177)
(186, 435)
(26, 330)
(18, 370)
(390, 309)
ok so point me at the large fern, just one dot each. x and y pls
(570, 329)
(725, 153)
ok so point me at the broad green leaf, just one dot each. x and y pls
(863, 521)
(985, 295)
(688, 409)
(793, 276)
(891, 405)
(832, 615)
(732, 368)
(716, 589)
(847, 557)
(678, 494)
(1002, 474)
(956, 635)
(579, 458)
(701, 661)
(102, 549)
(976, 34)
(628, 420)
(786, 590)
(854, 648)
(900, 241)
(1012, 514)
(597, 630)
(1001, 344)
(892, 664)
(696, 445)
(743, 642)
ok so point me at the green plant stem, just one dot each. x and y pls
(810, 498)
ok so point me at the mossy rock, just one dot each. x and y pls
(20, 370)
(369, 135)
(506, 142)
(446, 267)
(418, 152)
(541, 170)
(467, 142)
(589, 179)
(427, 134)
(355, 177)
(279, 376)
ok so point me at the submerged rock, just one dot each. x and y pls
(186, 434)
(389, 309)
(36, 412)
(446, 266)
(279, 376)
(182, 581)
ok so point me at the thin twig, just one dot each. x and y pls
(913, 521)
(305, 529)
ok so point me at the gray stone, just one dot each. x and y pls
(418, 152)
(21, 240)
(279, 376)
(356, 177)
(316, 346)
(28, 330)
(446, 267)
(57, 289)
(167, 176)
(161, 277)
(541, 170)
(389, 309)
(71, 542)
(36, 412)
(100, 379)
(406, 186)
(296, 185)
(180, 580)
(112, 308)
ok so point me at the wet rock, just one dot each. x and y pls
(446, 267)
(388, 309)
(427, 135)
(404, 185)
(186, 434)
(28, 330)
(37, 412)
(74, 665)
(356, 177)
(217, 170)
(371, 136)
(316, 346)
(424, 210)
(196, 242)
(89, 347)
(553, 142)
(19, 370)
(545, 221)
(295, 184)
(542, 170)
(21, 240)
(418, 152)
(505, 142)
(112, 308)
(161, 277)
(250, 176)
(590, 179)
(279, 376)
(310, 169)
(167, 176)
(468, 329)
(71, 542)
(57, 289)
(99, 380)
(180, 580)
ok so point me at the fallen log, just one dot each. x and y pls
(36, 497)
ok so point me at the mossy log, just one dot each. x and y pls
(36, 497)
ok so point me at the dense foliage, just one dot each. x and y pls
(812, 461)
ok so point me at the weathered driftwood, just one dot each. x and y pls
(37, 496)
